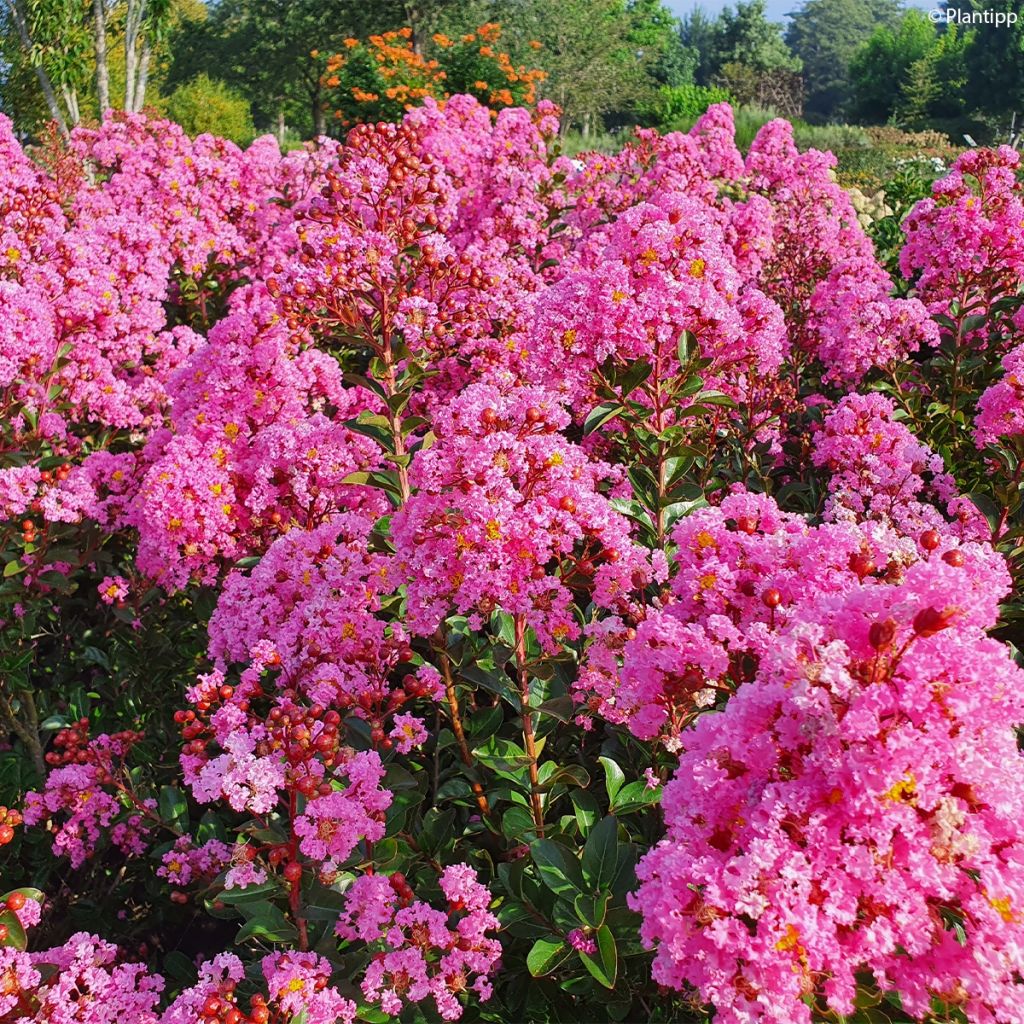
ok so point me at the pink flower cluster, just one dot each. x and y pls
(1000, 412)
(965, 244)
(85, 801)
(742, 572)
(848, 810)
(80, 982)
(507, 516)
(425, 952)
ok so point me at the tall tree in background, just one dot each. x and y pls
(697, 32)
(744, 35)
(752, 62)
(588, 52)
(263, 48)
(657, 33)
(995, 59)
(69, 45)
(911, 74)
(879, 67)
(825, 34)
(52, 38)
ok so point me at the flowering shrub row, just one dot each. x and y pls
(429, 561)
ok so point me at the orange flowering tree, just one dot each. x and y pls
(379, 79)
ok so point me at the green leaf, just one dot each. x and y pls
(600, 855)
(320, 903)
(15, 932)
(502, 755)
(568, 775)
(372, 1015)
(484, 722)
(251, 893)
(267, 923)
(546, 954)
(687, 347)
(558, 869)
(173, 807)
(376, 427)
(634, 377)
(613, 777)
(600, 415)
(587, 809)
(13, 568)
(676, 467)
(178, 967)
(716, 398)
(633, 796)
(516, 822)
(557, 707)
(436, 829)
(357, 380)
(591, 910)
(604, 965)
(988, 508)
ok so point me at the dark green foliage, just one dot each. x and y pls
(825, 34)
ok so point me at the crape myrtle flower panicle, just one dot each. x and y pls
(858, 791)
(500, 503)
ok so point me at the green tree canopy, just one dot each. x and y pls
(879, 67)
(994, 57)
(263, 49)
(206, 105)
(744, 35)
(825, 35)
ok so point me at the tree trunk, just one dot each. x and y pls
(412, 19)
(317, 104)
(132, 26)
(143, 79)
(280, 126)
(129, 72)
(43, 78)
(99, 30)
(71, 102)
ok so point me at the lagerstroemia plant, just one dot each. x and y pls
(429, 562)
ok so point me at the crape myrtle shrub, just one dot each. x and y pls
(430, 563)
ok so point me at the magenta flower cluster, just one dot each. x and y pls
(347, 394)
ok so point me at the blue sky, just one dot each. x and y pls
(777, 9)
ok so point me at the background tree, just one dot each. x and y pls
(53, 38)
(78, 50)
(744, 35)
(262, 48)
(825, 35)
(879, 66)
(593, 65)
(994, 60)
(911, 74)
(206, 105)
(379, 78)
(658, 34)
(697, 33)
(744, 54)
